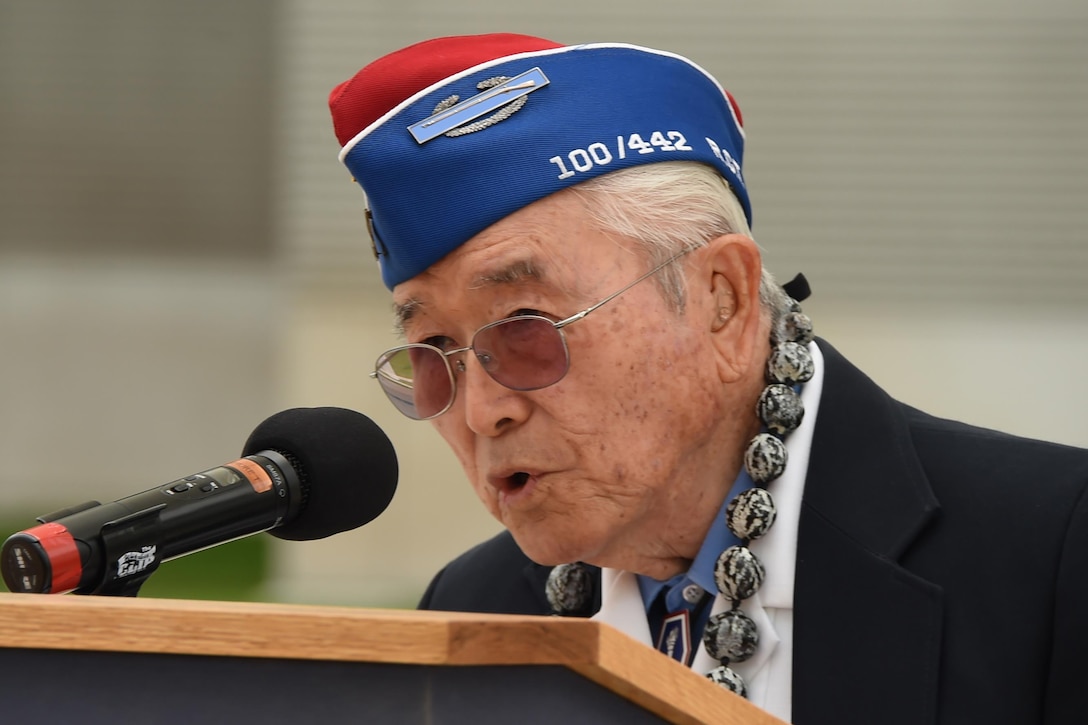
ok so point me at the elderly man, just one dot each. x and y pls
(588, 324)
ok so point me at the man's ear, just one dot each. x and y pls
(734, 318)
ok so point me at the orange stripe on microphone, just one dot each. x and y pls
(62, 554)
(254, 473)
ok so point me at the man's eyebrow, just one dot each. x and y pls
(512, 273)
(508, 274)
(404, 312)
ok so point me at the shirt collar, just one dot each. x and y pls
(701, 572)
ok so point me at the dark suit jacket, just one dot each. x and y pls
(942, 570)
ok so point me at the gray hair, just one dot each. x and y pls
(671, 206)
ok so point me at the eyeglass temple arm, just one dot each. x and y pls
(579, 315)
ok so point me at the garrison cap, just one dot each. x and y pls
(448, 136)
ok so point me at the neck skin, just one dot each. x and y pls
(691, 518)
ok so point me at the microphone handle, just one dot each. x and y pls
(113, 548)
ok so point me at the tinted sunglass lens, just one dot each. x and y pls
(522, 353)
(416, 380)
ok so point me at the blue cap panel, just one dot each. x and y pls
(504, 134)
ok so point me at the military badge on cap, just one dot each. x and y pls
(505, 96)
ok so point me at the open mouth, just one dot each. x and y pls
(513, 484)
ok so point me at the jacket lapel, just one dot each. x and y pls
(866, 631)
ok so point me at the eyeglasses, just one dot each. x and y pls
(523, 352)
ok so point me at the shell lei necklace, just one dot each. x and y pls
(731, 636)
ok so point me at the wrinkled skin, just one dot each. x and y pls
(624, 462)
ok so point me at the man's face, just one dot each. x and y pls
(618, 462)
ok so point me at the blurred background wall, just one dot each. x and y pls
(182, 255)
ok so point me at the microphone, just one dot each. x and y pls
(305, 473)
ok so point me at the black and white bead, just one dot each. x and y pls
(728, 679)
(790, 363)
(570, 589)
(731, 636)
(796, 326)
(751, 513)
(738, 573)
(780, 409)
(765, 458)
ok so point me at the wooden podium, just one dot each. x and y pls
(120, 660)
